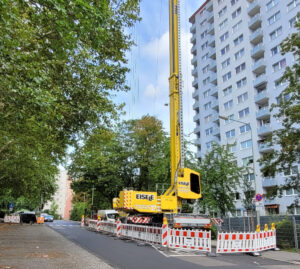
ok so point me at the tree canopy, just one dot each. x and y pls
(60, 62)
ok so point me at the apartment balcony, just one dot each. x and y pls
(214, 91)
(195, 83)
(264, 130)
(196, 95)
(194, 60)
(193, 28)
(193, 39)
(261, 97)
(215, 104)
(212, 54)
(211, 29)
(263, 113)
(210, 17)
(257, 36)
(196, 117)
(255, 22)
(195, 72)
(213, 78)
(259, 66)
(216, 131)
(209, 6)
(269, 182)
(258, 51)
(194, 48)
(265, 148)
(215, 118)
(196, 105)
(211, 41)
(254, 8)
(213, 66)
(197, 129)
(260, 80)
(274, 201)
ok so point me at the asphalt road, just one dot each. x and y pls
(128, 254)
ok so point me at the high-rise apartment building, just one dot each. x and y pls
(237, 67)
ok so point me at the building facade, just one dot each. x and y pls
(237, 66)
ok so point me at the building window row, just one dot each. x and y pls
(223, 24)
(277, 32)
(275, 50)
(246, 144)
(227, 90)
(225, 50)
(244, 112)
(272, 4)
(240, 68)
(238, 40)
(242, 98)
(233, 2)
(224, 37)
(293, 21)
(274, 18)
(226, 77)
(292, 5)
(236, 13)
(204, 34)
(230, 133)
(226, 63)
(209, 131)
(228, 105)
(222, 11)
(279, 65)
(241, 83)
(245, 128)
(239, 54)
(237, 26)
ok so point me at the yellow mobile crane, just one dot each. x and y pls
(185, 183)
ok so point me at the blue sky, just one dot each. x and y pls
(149, 64)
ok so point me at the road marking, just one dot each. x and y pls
(178, 253)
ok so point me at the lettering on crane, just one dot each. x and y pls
(145, 197)
(183, 183)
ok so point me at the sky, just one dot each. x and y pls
(149, 64)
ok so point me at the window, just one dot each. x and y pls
(225, 63)
(239, 54)
(292, 21)
(233, 2)
(279, 65)
(208, 145)
(243, 113)
(248, 160)
(240, 68)
(227, 90)
(276, 33)
(241, 83)
(272, 4)
(236, 26)
(208, 131)
(224, 36)
(229, 119)
(206, 81)
(291, 191)
(220, 2)
(223, 24)
(274, 18)
(222, 11)
(205, 69)
(207, 118)
(228, 105)
(292, 171)
(237, 197)
(236, 13)
(207, 106)
(225, 50)
(230, 133)
(202, 23)
(246, 144)
(292, 5)
(278, 83)
(204, 34)
(205, 57)
(206, 93)
(249, 177)
(232, 148)
(242, 98)
(245, 128)
(238, 40)
(227, 76)
(275, 50)
(204, 46)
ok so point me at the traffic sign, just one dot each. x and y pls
(11, 205)
(258, 197)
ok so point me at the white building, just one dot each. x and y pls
(237, 67)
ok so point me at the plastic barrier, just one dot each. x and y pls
(246, 242)
(190, 239)
(11, 219)
(110, 227)
(92, 224)
(82, 221)
(40, 220)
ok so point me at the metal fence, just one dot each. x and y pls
(287, 228)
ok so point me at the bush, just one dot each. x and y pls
(214, 232)
(285, 234)
(78, 210)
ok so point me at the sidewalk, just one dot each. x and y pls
(38, 246)
(283, 256)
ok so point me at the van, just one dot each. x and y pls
(108, 215)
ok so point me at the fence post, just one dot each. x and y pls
(229, 224)
(295, 233)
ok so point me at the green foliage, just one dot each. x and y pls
(287, 111)
(60, 62)
(186, 208)
(284, 234)
(219, 177)
(78, 210)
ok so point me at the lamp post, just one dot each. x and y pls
(254, 172)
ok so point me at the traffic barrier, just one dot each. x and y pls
(82, 221)
(246, 242)
(11, 219)
(40, 220)
(190, 239)
(99, 224)
(118, 228)
(92, 224)
(165, 232)
(109, 227)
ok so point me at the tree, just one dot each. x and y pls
(220, 177)
(286, 140)
(60, 62)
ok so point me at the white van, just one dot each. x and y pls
(108, 215)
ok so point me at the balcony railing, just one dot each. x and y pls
(264, 130)
(261, 97)
(256, 36)
(255, 22)
(253, 8)
(260, 80)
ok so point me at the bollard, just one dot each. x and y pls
(165, 237)
(119, 228)
(99, 224)
(273, 226)
(82, 221)
(257, 228)
(266, 227)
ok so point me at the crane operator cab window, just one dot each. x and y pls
(188, 184)
(195, 183)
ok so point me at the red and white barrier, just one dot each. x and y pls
(246, 242)
(98, 225)
(11, 219)
(190, 239)
(118, 228)
(82, 221)
(165, 237)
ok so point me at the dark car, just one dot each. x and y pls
(47, 217)
(28, 217)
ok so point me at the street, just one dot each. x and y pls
(128, 254)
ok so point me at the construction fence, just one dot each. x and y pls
(287, 227)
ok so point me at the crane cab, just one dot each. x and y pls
(188, 184)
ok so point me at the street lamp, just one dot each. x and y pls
(252, 148)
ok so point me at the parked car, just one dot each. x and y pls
(27, 217)
(47, 217)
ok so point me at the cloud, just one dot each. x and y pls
(151, 91)
(157, 48)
